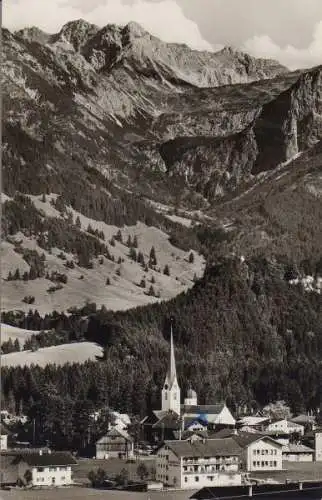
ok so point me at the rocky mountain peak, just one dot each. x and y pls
(77, 33)
(134, 30)
(33, 34)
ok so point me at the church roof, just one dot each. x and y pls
(203, 409)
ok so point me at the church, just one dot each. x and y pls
(176, 420)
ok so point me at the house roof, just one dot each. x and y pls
(46, 459)
(251, 420)
(204, 448)
(3, 430)
(244, 439)
(203, 409)
(115, 432)
(303, 419)
(168, 421)
(297, 448)
(223, 433)
(188, 434)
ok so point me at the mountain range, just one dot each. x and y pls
(115, 142)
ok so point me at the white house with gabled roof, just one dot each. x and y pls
(198, 463)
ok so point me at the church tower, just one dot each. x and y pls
(171, 389)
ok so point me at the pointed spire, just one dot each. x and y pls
(173, 371)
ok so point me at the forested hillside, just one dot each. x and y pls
(243, 334)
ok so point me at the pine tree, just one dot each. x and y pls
(191, 258)
(16, 276)
(16, 345)
(166, 270)
(132, 254)
(152, 279)
(118, 236)
(78, 222)
(9, 278)
(135, 242)
(151, 291)
(129, 241)
(112, 241)
(142, 283)
(153, 258)
(43, 198)
(140, 259)
(108, 281)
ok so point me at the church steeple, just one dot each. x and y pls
(171, 389)
(172, 372)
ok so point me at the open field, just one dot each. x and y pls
(112, 467)
(13, 332)
(303, 471)
(79, 352)
(88, 493)
(123, 292)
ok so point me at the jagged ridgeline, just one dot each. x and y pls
(105, 128)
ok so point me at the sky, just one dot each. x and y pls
(287, 30)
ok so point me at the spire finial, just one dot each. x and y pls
(173, 371)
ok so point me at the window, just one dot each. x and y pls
(262, 464)
(254, 464)
(174, 396)
(274, 463)
(166, 396)
(166, 478)
(210, 478)
(263, 452)
(186, 479)
(254, 452)
(40, 469)
(197, 479)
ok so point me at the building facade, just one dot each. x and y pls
(260, 453)
(298, 453)
(318, 446)
(194, 464)
(46, 468)
(285, 426)
(117, 443)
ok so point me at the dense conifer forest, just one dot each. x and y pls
(243, 334)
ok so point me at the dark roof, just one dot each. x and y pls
(204, 448)
(201, 409)
(169, 421)
(188, 434)
(223, 433)
(192, 420)
(42, 460)
(3, 430)
(244, 439)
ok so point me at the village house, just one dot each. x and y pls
(284, 426)
(116, 443)
(298, 453)
(252, 423)
(318, 446)
(259, 452)
(193, 464)
(3, 438)
(37, 468)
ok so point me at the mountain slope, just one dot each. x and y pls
(131, 123)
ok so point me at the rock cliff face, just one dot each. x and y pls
(133, 107)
